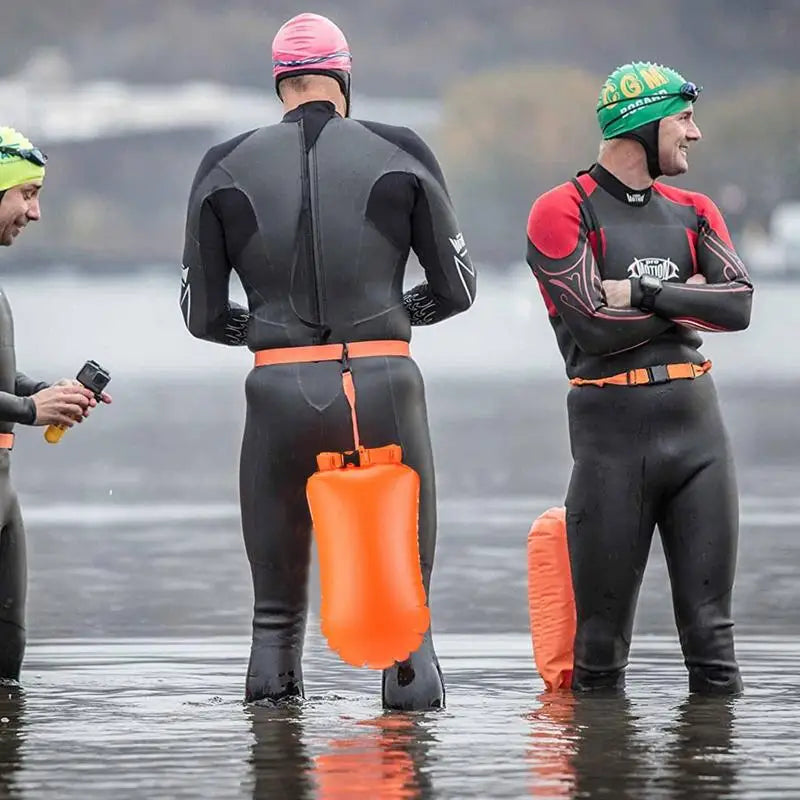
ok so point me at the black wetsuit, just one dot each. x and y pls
(317, 215)
(647, 455)
(16, 406)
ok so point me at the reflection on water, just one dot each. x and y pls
(551, 746)
(164, 718)
(386, 758)
(12, 736)
(699, 757)
(383, 756)
(279, 760)
(600, 745)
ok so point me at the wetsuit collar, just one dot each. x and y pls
(311, 107)
(616, 188)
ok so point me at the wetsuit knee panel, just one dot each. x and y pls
(600, 645)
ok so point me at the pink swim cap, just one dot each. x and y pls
(310, 44)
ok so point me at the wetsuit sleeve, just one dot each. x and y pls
(724, 302)
(439, 245)
(205, 276)
(561, 258)
(17, 409)
(25, 386)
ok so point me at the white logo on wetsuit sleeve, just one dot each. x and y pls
(661, 268)
(459, 245)
(186, 295)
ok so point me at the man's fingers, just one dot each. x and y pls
(73, 398)
(72, 410)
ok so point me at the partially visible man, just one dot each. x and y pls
(22, 399)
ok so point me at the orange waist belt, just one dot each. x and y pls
(331, 352)
(6, 441)
(661, 373)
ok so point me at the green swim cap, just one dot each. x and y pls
(20, 161)
(638, 93)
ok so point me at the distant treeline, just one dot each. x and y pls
(414, 47)
(518, 81)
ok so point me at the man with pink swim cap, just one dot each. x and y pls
(317, 215)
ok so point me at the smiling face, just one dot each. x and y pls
(675, 135)
(18, 207)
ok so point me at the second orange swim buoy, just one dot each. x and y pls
(551, 601)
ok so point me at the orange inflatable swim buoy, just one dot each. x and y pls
(551, 602)
(364, 507)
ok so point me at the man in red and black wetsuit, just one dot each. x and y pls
(629, 270)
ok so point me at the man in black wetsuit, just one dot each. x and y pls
(22, 399)
(629, 269)
(317, 215)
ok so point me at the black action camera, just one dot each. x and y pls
(94, 378)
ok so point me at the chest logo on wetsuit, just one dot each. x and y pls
(636, 198)
(661, 268)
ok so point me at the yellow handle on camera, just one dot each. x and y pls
(93, 377)
(53, 433)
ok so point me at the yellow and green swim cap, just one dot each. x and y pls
(20, 161)
(637, 93)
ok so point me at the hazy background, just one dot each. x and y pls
(126, 97)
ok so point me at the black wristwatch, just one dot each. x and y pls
(650, 286)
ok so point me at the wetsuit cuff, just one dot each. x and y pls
(28, 411)
(40, 386)
(17, 409)
(636, 293)
(25, 386)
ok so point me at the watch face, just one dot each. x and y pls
(650, 282)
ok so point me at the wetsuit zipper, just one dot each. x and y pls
(309, 177)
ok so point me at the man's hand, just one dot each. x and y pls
(104, 397)
(65, 403)
(618, 293)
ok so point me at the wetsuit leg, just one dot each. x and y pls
(276, 460)
(609, 531)
(392, 408)
(699, 531)
(610, 523)
(13, 584)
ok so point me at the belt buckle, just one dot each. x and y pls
(658, 374)
(351, 459)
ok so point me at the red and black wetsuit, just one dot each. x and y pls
(653, 454)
